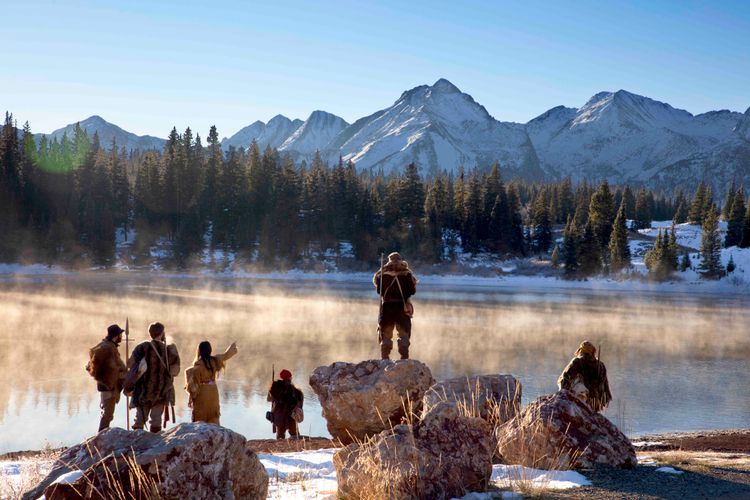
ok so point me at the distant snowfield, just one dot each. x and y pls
(690, 281)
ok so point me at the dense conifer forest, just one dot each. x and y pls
(65, 201)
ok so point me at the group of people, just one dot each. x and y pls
(148, 379)
(149, 374)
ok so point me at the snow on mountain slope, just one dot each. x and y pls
(439, 128)
(624, 137)
(107, 131)
(314, 134)
(272, 134)
(726, 163)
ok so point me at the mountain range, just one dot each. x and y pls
(620, 136)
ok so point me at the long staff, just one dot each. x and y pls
(171, 404)
(127, 356)
(380, 294)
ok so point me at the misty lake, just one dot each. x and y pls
(675, 362)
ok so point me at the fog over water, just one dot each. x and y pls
(675, 362)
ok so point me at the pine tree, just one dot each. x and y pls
(643, 217)
(745, 242)
(555, 258)
(735, 219)
(730, 265)
(685, 262)
(120, 189)
(657, 259)
(695, 216)
(628, 199)
(602, 213)
(726, 209)
(541, 223)
(570, 248)
(711, 246)
(681, 213)
(516, 236)
(590, 251)
(619, 251)
(566, 201)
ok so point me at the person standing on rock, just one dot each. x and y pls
(586, 377)
(154, 390)
(286, 405)
(108, 369)
(395, 284)
(200, 382)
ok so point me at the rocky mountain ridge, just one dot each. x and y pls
(620, 136)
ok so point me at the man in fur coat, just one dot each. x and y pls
(395, 284)
(154, 390)
(586, 377)
(107, 368)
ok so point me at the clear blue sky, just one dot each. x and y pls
(151, 65)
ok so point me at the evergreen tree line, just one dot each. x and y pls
(63, 199)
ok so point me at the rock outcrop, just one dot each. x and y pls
(445, 455)
(364, 399)
(559, 431)
(190, 460)
(495, 398)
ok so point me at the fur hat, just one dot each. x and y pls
(285, 374)
(394, 257)
(586, 347)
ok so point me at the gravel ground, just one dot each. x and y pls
(714, 464)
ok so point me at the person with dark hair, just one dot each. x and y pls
(154, 390)
(286, 405)
(395, 284)
(200, 382)
(107, 368)
(586, 377)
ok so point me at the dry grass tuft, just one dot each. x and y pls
(31, 471)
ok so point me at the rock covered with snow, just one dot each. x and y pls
(559, 431)
(445, 455)
(363, 399)
(495, 398)
(190, 460)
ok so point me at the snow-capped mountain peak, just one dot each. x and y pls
(271, 134)
(314, 134)
(437, 127)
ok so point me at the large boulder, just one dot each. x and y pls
(559, 431)
(190, 460)
(364, 399)
(447, 454)
(495, 398)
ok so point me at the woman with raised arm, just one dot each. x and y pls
(200, 382)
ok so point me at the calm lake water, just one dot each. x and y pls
(676, 362)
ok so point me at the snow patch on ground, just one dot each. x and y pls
(669, 470)
(303, 475)
(510, 476)
(311, 475)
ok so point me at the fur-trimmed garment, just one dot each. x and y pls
(156, 385)
(106, 366)
(285, 398)
(200, 384)
(392, 271)
(593, 374)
